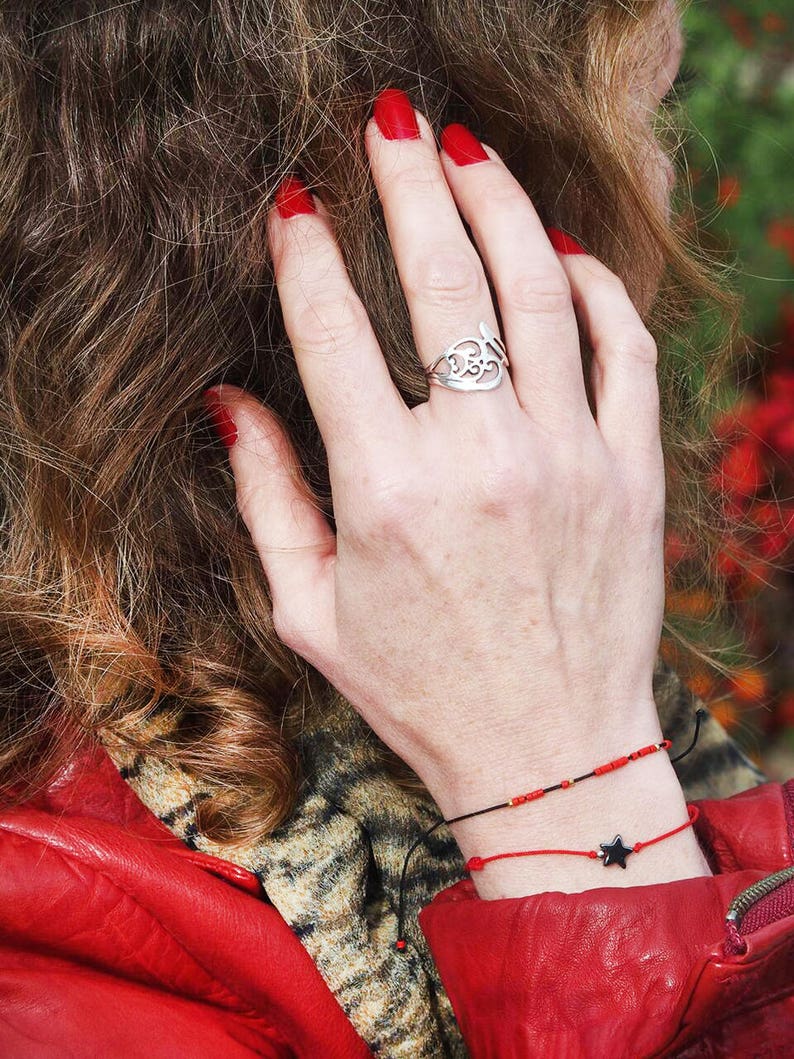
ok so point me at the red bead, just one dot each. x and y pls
(400, 944)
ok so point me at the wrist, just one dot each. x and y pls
(637, 802)
(501, 773)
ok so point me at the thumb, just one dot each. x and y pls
(295, 543)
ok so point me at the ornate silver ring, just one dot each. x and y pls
(474, 363)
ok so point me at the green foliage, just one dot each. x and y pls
(740, 148)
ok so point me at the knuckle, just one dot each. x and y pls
(329, 325)
(547, 292)
(615, 283)
(506, 199)
(445, 276)
(392, 515)
(388, 513)
(249, 497)
(417, 182)
(645, 519)
(607, 278)
(587, 483)
(503, 195)
(503, 488)
(636, 344)
(602, 277)
(644, 501)
(286, 628)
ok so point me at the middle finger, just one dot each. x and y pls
(534, 294)
(441, 273)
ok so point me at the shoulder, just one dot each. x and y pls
(97, 894)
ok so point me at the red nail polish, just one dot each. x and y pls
(292, 198)
(565, 244)
(462, 146)
(221, 418)
(395, 115)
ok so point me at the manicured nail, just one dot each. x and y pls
(293, 198)
(462, 146)
(564, 243)
(395, 115)
(221, 417)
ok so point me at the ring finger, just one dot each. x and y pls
(441, 273)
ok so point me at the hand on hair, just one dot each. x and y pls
(493, 595)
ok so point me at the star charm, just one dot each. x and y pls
(615, 852)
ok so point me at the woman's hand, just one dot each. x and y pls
(495, 588)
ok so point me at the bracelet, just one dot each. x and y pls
(611, 852)
(599, 770)
(614, 852)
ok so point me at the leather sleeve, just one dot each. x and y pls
(634, 972)
(52, 1008)
(82, 966)
(113, 944)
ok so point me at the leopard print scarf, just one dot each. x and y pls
(333, 869)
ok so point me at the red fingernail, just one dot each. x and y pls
(564, 243)
(462, 146)
(292, 198)
(395, 115)
(221, 418)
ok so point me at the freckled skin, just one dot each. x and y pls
(497, 568)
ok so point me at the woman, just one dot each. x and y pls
(436, 543)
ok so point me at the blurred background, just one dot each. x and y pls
(738, 83)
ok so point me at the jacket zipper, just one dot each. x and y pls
(743, 902)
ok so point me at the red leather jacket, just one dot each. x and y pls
(116, 940)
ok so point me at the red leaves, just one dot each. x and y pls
(773, 23)
(758, 431)
(780, 236)
(749, 685)
(775, 528)
(728, 191)
(741, 471)
(739, 24)
(676, 548)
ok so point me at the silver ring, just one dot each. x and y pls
(468, 367)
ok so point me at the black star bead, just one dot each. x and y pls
(615, 852)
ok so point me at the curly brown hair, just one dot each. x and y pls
(141, 146)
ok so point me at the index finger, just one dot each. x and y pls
(357, 406)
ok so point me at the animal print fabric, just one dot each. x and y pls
(333, 869)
